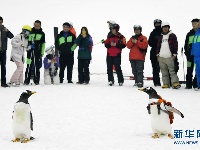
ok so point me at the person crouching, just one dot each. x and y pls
(51, 66)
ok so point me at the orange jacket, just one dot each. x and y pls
(73, 31)
(138, 50)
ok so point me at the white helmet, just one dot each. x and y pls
(49, 49)
(71, 23)
(165, 24)
(111, 22)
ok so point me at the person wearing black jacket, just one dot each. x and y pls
(153, 40)
(190, 58)
(4, 35)
(36, 40)
(64, 43)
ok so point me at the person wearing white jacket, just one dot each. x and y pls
(19, 46)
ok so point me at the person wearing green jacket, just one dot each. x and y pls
(85, 43)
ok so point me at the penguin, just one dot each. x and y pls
(22, 119)
(161, 113)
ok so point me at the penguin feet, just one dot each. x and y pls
(16, 140)
(26, 140)
(170, 136)
(155, 136)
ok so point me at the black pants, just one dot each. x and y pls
(116, 61)
(137, 70)
(156, 71)
(37, 59)
(83, 70)
(3, 67)
(66, 61)
(189, 81)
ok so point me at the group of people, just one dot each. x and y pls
(163, 54)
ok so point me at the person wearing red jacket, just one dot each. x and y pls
(114, 43)
(138, 47)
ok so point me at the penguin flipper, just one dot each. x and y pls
(169, 108)
(31, 118)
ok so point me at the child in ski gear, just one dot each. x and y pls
(4, 35)
(153, 40)
(167, 49)
(19, 46)
(51, 66)
(85, 43)
(114, 44)
(138, 47)
(196, 52)
(190, 58)
(64, 42)
(34, 56)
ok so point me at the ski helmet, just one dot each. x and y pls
(111, 22)
(49, 49)
(71, 23)
(157, 21)
(116, 27)
(165, 24)
(137, 27)
(27, 28)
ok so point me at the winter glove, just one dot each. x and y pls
(73, 47)
(102, 41)
(32, 46)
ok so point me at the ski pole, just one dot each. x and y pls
(102, 41)
(35, 75)
(28, 67)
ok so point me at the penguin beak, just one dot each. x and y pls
(33, 93)
(141, 89)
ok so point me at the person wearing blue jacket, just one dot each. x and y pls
(196, 52)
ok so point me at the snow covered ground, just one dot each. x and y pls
(97, 116)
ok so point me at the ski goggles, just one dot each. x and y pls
(26, 32)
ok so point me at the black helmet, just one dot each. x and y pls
(116, 27)
(157, 21)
